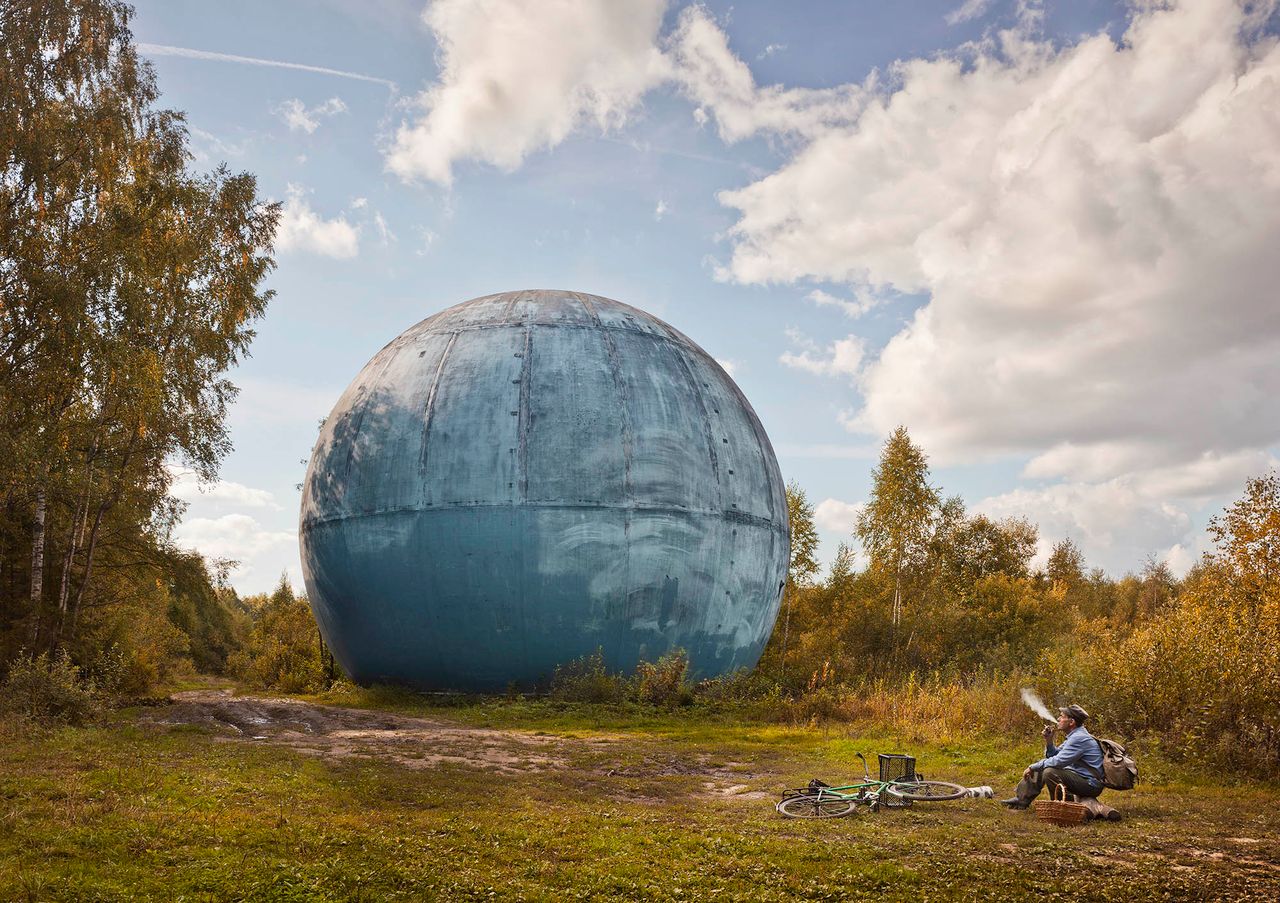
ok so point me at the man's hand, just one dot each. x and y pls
(1027, 773)
(1049, 730)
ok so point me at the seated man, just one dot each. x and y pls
(1076, 764)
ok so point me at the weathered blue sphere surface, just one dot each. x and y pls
(527, 477)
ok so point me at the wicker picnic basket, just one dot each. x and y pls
(1057, 810)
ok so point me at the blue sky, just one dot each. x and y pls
(1040, 235)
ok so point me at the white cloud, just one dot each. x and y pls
(1160, 470)
(722, 85)
(426, 239)
(1116, 523)
(863, 301)
(770, 50)
(302, 229)
(301, 118)
(241, 538)
(970, 9)
(207, 147)
(518, 76)
(1094, 227)
(729, 366)
(837, 516)
(185, 486)
(842, 357)
(660, 211)
(384, 231)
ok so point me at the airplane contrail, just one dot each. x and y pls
(166, 50)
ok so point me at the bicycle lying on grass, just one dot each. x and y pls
(899, 785)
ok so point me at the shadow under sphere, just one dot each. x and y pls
(526, 477)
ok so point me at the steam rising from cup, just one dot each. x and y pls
(1033, 702)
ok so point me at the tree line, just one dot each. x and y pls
(950, 599)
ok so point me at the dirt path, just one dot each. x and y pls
(332, 732)
(336, 733)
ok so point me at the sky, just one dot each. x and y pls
(1041, 235)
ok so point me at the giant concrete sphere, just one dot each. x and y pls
(527, 477)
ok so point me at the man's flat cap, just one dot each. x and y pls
(1074, 711)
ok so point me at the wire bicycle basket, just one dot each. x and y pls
(897, 767)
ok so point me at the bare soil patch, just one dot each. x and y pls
(338, 733)
(333, 732)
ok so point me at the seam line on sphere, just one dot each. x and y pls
(431, 401)
(523, 424)
(366, 391)
(735, 516)
(707, 432)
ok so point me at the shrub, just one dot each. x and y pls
(48, 687)
(283, 651)
(742, 687)
(665, 682)
(586, 679)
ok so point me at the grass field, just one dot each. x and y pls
(532, 800)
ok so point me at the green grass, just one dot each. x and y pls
(123, 811)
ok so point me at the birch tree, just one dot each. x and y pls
(896, 525)
(128, 288)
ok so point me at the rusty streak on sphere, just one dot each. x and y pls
(527, 477)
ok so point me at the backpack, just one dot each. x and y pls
(1119, 771)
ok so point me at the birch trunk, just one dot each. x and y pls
(37, 565)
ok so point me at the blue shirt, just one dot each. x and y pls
(1079, 752)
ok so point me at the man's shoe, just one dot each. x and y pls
(1013, 803)
(1113, 815)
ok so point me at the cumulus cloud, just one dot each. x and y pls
(235, 536)
(241, 538)
(302, 229)
(186, 486)
(1093, 226)
(660, 211)
(518, 76)
(863, 300)
(231, 521)
(727, 365)
(842, 357)
(301, 118)
(1116, 522)
(721, 84)
(837, 516)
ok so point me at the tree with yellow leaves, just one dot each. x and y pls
(128, 287)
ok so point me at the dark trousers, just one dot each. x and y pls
(1029, 788)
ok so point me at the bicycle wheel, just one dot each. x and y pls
(816, 807)
(926, 791)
